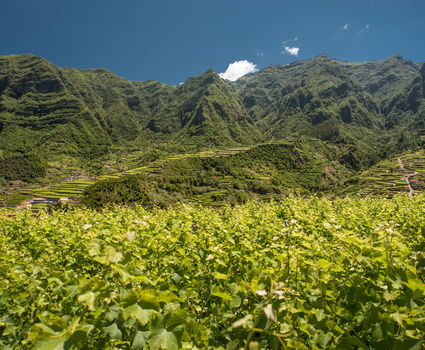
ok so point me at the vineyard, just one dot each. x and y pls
(298, 274)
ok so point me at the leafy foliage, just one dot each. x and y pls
(306, 273)
(26, 168)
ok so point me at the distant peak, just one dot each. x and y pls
(209, 77)
(25, 57)
(210, 71)
(322, 56)
(395, 57)
(210, 74)
(28, 60)
(204, 79)
(98, 70)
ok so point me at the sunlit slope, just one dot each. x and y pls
(305, 273)
(404, 174)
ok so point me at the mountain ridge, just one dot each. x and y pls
(87, 113)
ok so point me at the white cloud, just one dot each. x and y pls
(364, 29)
(292, 50)
(238, 69)
(345, 27)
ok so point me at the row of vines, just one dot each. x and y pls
(299, 274)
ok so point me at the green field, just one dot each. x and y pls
(306, 273)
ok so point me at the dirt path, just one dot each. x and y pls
(407, 177)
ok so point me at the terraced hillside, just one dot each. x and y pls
(72, 189)
(404, 174)
(234, 175)
(266, 171)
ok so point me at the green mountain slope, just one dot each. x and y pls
(295, 96)
(306, 93)
(86, 112)
(382, 79)
(59, 110)
(202, 110)
(317, 98)
(406, 109)
(367, 110)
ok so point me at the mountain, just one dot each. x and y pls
(83, 114)
(61, 110)
(407, 106)
(306, 93)
(202, 110)
(382, 79)
(86, 112)
(317, 97)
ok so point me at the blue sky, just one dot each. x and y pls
(172, 40)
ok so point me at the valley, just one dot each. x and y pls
(282, 210)
(57, 123)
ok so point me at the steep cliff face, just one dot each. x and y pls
(382, 79)
(406, 108)
(317, 97)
